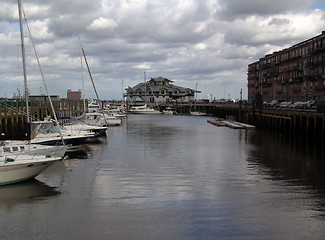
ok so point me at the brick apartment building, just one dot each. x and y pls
(293, 74)
(74, 95)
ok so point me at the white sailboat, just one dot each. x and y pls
(17, 166)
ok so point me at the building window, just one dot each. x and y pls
(176, 91)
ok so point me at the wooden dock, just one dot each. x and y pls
(231, 124)
(13, 114)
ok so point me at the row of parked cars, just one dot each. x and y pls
(310, 104)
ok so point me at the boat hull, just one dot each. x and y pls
(144, 112)
(198, 113)
(17, 172)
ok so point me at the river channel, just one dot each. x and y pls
(173, 177)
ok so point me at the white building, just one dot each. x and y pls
(158, 90)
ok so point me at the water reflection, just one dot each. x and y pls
(32, 190)
(177, 177)
(299, 171)
(284, 160)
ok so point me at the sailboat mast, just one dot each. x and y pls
(23, 57)
(145, 87)
(82, 77)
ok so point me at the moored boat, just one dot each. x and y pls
(21, 167)
(168, 110)
(198, 113)
(143, 110)
(24, 147)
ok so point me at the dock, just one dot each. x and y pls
(231, 124)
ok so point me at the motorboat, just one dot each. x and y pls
(78, 126)
(168, 110)
(18, 167)
(143, 110)
(24, 147)
(118, 112)
(93, 107)
(102, 120)
(198, 113)
(48, 133)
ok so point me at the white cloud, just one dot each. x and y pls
(184, 40)
(101, 24)
(143, 66)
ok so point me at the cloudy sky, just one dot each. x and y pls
(208, 42)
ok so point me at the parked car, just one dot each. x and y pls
(296, 105)
(285, 104)
(273, 103)
(311, 104)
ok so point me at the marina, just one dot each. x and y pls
(168, 161)
(173, 177)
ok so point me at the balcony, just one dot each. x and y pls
(266, 65)
(319, 50)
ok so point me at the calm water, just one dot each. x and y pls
(173, 177)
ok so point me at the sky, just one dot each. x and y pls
(203, 44)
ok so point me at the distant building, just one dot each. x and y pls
(158, 90)
(74, 95)
(296, 73)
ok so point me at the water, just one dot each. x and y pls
(173, 177)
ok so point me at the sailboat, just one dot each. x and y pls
(16, 162)
(96, 116)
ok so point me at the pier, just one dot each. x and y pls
(298, 123)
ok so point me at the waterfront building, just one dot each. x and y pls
(158, 90)
(293, 74)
